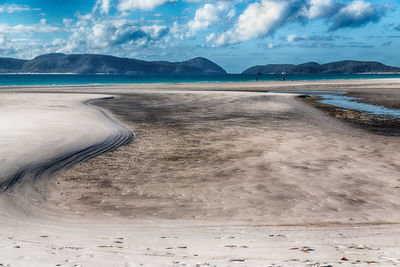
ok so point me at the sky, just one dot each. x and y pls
(235, 34)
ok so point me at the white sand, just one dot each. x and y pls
(194, 243)
(43, 132)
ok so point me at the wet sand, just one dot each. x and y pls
(220, 178)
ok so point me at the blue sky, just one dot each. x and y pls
(234, 33)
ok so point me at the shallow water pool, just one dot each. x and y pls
(341, 100)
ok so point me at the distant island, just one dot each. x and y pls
(105, 64)
(94, 64)
(339, 67)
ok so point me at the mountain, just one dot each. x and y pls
(340, 67)
(11, 64)
(89, 63)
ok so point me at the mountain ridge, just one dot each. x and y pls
(337, 67)
(97, 63)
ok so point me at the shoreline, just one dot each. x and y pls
(252, 84)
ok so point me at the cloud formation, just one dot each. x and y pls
(28, 29)
(315, 9)
(103, 6)
(11, 8)
(357, 13)
(315, 41)
(299, 38)
(110, 35)
(258, 20)
(128, 5)
(263, 18)
(211, 14)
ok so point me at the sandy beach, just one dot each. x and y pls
(219, 174)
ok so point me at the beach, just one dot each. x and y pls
(207, 174)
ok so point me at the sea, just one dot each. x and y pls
(86, 79)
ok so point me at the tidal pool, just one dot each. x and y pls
(341, 100)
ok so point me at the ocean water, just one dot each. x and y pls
(70, 79)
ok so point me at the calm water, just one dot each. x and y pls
(68, 79)
(355, 103)
(341, 100)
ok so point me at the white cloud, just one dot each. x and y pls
(291, 38)
(94, 32)
(67, 22)
(2, 39)
(304, 38)
(258, 20)
(103, 6)
(11, 8)
(17, 47)
(111, 36)
(210, 37)
(320, 8)
(128, 5)
(27, 29)
(262, 18)
(357, 13)
(211, 14)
